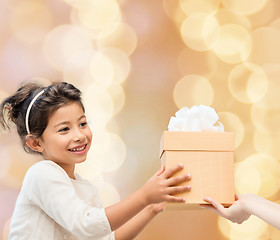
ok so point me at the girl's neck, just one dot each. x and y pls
(69, 169)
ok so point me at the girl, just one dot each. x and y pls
(245, 206)
(56, 203)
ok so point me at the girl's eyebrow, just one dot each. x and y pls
(66, 122)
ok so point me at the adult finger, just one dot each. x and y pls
(219, 207)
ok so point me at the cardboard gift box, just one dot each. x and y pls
(209, 158)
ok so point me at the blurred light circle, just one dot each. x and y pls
(92, 32)
(247, 82)
(199, 6)
(266, 120)
(108, 151)
(269, 170)
(118, 96)
(252, 229)
(200, 31)
(102, 70)
(99, 14)
(110, 63)
(81, 77)
(271, 99)
(247, 178)
(244, 7)
(31, 29)
(89, 169)
(224, 16)
(193, 90)
(267, 143)
(67, 47)
(234, 44)
(108, 193)
(265, 46)
(173, 11)
(99, 107)
(232, 123)
(194, 62)
(124, 38)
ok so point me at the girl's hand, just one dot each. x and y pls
(162, 186)
(156, 208)
(236, 213)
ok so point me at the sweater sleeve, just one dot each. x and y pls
(51, 189)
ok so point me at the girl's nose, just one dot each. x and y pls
(78, 135)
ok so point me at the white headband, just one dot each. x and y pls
(29, 108)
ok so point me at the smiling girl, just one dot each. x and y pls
(54, 201)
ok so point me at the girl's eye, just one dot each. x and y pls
(83, 124)
(64, 129)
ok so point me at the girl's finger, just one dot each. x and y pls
(170, 171)
(175, 199)
(179, 189)
(178, 179)
(160, 171)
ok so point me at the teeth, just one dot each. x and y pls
(77, 149)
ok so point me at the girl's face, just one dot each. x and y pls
(67, 137)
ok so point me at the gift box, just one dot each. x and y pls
(209, 158)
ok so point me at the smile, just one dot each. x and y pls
(78, 149)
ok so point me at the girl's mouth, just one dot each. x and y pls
(79, 149)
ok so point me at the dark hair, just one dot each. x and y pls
(13, 109)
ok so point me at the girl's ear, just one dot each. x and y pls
(34, 143)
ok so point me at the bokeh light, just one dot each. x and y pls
(247, 178)
(247, 82)
(108, 193)
(193, 90)
(252, 229)
(267, 143)
(200, 31)
(224, 16)
(232, 123)
(99, 14)
(199, 6)
(67, 47)
(109, 66)
(269, 169)
(271, 99)
(99, 106)
(244, 8)
(108, 151)
(266, 120)
(234, 44)
(123, 38)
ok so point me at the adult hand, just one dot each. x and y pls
(236, 213)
